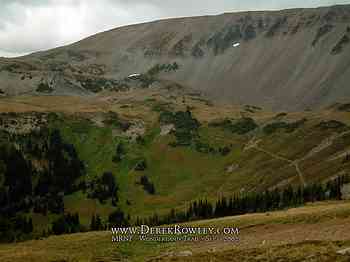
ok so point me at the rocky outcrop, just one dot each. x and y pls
(289, 59)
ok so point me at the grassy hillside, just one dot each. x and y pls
(312, 232)
(148, 139)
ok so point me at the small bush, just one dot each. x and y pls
(44, 88)
(114, 120)
(240, 126)
(344, 108)
(332, 124)
(288, 127)
(120, 153)
(243, 126)
(148, 186)
(161, 107)
(280, 115)
(197, 51)
(338, 48)
(141, 165)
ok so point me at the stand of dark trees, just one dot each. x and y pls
(186, 126)
(104, 188)
(240, 126)
(17, 228)
(115, 219)
(120, 153)
(36, 171)
(66, 224)
(276, 199)
(96, 223)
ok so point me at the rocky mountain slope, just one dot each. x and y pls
(290, 59)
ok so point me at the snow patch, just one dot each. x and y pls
(133, 75)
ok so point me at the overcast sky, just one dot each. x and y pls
(32, 25)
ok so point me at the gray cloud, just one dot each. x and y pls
(33, 25)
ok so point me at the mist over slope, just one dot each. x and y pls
(291, 59)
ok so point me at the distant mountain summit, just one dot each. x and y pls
(291, 59)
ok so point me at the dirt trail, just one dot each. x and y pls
(254, 144)
(326, 143)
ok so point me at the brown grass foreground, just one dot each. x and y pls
(311, 233)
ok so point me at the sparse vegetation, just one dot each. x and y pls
(120, 153)
(241, 126)
(141, 165)
(113, 119)
(207, 149)
(344, 107)
(148, 186)
(158, 68)
(44, 87)
(249, 32)
(252, 109)
(223, 39)
(97, 84)
(332, 124)
(161, 107)
(287, 127)
(180, 48)
(280, 21)
(77, 56)
(322, 31)
(280, 115)
(197, 51)
(338, 48)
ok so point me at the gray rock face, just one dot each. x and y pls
(291, 59)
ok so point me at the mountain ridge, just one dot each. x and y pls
(291, 59)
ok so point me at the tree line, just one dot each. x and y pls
(253, 202)
(269, 200)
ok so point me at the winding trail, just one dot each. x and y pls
(326, 143)
(254, 144)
